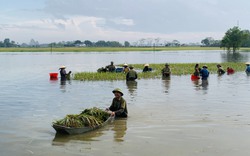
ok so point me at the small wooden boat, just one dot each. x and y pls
(72, 130)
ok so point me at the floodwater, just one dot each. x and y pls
(176, 117)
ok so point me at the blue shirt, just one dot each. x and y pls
(248, 69)
(204, 73)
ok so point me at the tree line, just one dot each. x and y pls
(233, 39)
(8, 43)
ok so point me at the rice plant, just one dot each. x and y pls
(176, 69)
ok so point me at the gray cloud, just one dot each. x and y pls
(160, 16)
(184, 20)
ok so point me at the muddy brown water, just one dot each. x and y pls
(176, 117)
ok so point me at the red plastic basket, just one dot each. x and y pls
(53, 75)
(193, 77)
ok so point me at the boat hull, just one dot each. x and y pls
(72, 130)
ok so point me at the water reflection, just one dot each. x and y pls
(63, 84)
(119, 128)
(62, 139)
(196, 83)
(203, 85)
(234, 57)
(166, 83)
(53, 81)
(132, 87)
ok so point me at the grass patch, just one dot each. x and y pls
(111, 49)
(104, 49)
(176, 68)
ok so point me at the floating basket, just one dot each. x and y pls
(53, 75)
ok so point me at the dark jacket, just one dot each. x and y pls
(166, 72)
(63, 74)
(119, 107)
(131, 75)
(110, 68)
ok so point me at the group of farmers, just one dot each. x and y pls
(118, 106)
(131, 74)
(204, 72)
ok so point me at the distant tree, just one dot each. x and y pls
(78, 42)
(233, 39)
(246, 41)
(148, 42)
(34, 43)
(126, 44)
(24, 45)
(142, 42)
(1, 44)
(176, 43)
(88, 43)
(210, 42)
(167, 43)
(60, 44)
(100, 43)
(69, 44)
(157, 41)
(113, 44)
(6, 42)
(207, 41)
(216, 43)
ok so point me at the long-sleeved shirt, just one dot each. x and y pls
(131, 75)
(119, 106)
(204, 74)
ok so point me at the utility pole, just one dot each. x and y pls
(51, 47)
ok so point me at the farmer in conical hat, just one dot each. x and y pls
(247, 68)
(64, 74)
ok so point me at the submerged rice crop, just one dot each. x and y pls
(176, 69)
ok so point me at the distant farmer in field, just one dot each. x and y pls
(64, 75)
(146, 68)
(125, 68)
(248, 68)
(230, 70)
(132, 74)
(111, 67)
(220, 70)
(204, 73)
(166, 72)
(197, 70)
(118, 107)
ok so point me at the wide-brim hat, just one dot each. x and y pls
(205, 66)
(118, 90)
(146, 65)
(125, 65)
(166, 64)
(62, 67)
(247, 63)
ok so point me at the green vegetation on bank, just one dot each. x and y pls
(111, 49)
(105, 49)
(176, 68)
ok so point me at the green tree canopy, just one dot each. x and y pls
(233, 39)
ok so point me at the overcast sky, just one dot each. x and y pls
(120, 20)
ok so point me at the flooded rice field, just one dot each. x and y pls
(176, 117)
